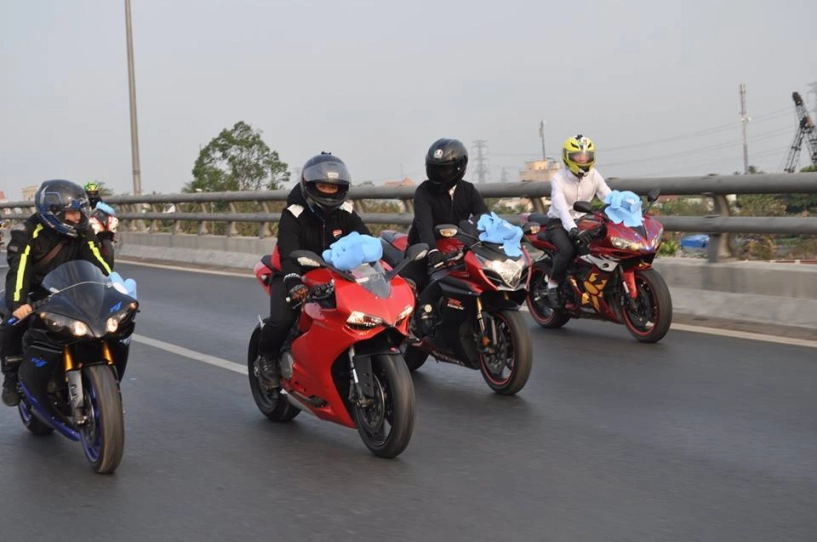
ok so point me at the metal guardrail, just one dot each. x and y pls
(147, 212)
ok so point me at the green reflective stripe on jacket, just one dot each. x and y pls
(99, 257)
(21, 269)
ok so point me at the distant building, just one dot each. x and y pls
(29, 192)
(539, 170)
(397, 184)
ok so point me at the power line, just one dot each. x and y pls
(698, 150)
(706, 131)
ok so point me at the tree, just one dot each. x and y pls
(237, 159)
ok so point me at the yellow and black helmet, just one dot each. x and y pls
(579, 154)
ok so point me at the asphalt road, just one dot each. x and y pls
(699, 437)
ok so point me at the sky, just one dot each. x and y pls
(654, 84)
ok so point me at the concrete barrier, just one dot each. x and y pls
(768, 293)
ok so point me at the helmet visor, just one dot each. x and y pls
(442, 173)
(582, 157)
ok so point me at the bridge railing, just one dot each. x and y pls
(154, 212)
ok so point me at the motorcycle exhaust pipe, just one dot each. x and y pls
(297, 404)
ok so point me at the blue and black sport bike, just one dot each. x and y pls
(74, 354)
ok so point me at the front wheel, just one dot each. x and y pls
(650, 320)
(506, 369)
(103, 433)
(271, 402)
(538, 304)
(387, 424)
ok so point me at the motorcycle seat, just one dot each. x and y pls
(391, 236)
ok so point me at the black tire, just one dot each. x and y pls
(515, 348)
(414, 357)
(103, 435)
(30, 421)
(387, 425)
(272, 403)
(653, 315)
(538, 305)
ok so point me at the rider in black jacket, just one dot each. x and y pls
(316, 216)
(57, 233)
(445, 198)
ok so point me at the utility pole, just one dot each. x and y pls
(744, 118)
(504, 178)
(542, 136)
(482, 167)
(134, 131)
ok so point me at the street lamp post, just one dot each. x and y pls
(134, 131)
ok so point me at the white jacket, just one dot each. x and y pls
(566, 189)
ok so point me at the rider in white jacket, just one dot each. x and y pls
(577, 181)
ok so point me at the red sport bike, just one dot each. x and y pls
(472, 318)
(610, 279)
(342, 360)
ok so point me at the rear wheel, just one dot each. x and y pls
(507, 368)
(387, 424)
(538, 304)
(103, 434)
(271, 402)
(32, 423)
(652, 316)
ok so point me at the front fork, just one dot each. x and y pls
(356, 395)
(628, 282)
(487, 329)
(73, 375)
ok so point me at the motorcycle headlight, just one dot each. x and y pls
(58, 322)
(361, 321)
(112, 324)
(625, 244)
(510, 271)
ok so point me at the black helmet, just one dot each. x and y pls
(446, 160)
(54, 198)
(328, 169)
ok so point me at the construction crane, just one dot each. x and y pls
(805, 130)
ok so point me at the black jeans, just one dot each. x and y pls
(566, 251)
(281, 319)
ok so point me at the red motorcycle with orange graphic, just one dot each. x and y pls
(610, 279)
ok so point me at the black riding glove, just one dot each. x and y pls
(436, 260)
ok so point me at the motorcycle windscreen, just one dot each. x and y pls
(372, 278)
(82, 292)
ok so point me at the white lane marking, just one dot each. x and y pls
(746, 335)
(232, 366)
(192, 354)
(238, 368)
(247, 274)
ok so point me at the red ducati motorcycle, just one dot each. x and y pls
(472, 318)
(342, 360)
(611, 278)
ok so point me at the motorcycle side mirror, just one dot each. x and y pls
(413, 254)
(417, 252)
(583, 207)
(530, 228)
(307, 258)
(653, 194)
(446, 230)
